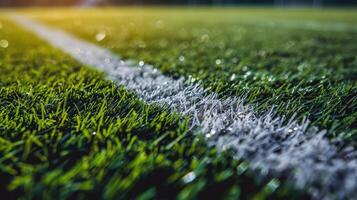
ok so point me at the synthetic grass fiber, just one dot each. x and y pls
(296, 151)
(302, 61)
(66, 132)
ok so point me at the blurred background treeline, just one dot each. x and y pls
(316, 3)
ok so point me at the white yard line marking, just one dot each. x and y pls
(271, 143)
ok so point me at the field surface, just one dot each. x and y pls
(302, 61)
(66, 131)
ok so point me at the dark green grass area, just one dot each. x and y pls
(66, 132)
(302, 61)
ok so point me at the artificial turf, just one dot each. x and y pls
(301, 61)
(66, 132)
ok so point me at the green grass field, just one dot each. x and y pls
(302, 61)
(67, 132)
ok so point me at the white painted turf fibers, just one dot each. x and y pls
(272, 144)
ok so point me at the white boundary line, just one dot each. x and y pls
(271, 143)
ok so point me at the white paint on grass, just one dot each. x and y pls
(274, 145)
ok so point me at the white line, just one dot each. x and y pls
(272, 144)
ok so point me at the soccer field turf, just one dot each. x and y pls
(68, 132)
(301, 61)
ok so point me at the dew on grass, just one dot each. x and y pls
(192, 79)
(245, 68)
(235, 60)
(100, 36)
(4, 44)
(247, 74)
(94, 133)
(182, 58)
(211, 133)
(233, 77)
(189, 177)
(141, 63)
(218, 61)
(302, 67)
